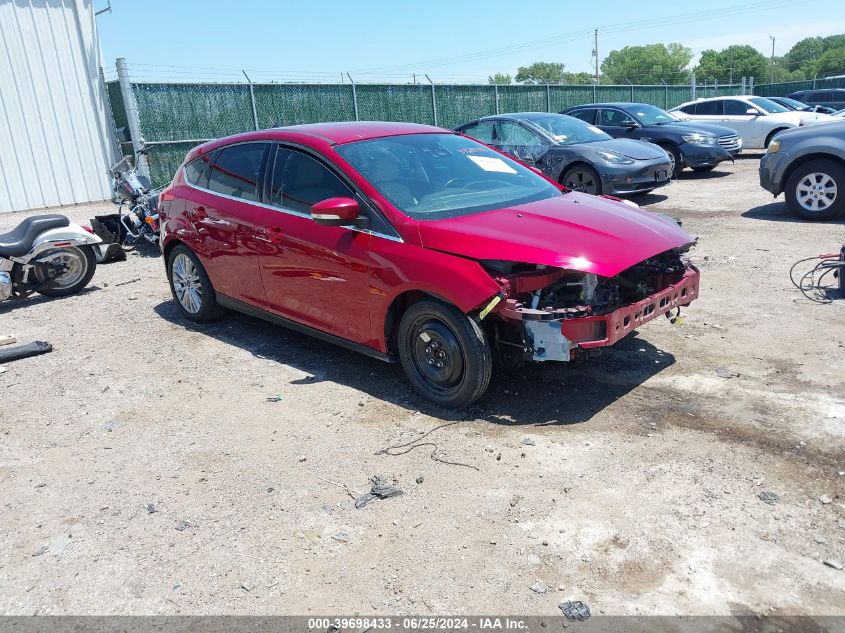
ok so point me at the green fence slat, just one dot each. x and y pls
(410, 103)
(459, 104)
(292, 104)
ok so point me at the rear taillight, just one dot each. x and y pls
(89, 229)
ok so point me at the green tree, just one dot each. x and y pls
(806, 55)
(832, 62)
(502, 79)
(733, 62)
(579, 78)
(648, 64)
(541, 73)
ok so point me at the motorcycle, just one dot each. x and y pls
(134, 191)
(48, 255)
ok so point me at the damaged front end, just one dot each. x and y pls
(546, 313)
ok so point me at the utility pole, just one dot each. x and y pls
(772, 37)
(596, 52)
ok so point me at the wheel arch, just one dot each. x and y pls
(771, 134)
(802, 160)
(576, 163)
(400, 304)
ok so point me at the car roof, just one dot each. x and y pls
(348, 131)
(609, 104)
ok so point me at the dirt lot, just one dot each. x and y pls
(630, 483)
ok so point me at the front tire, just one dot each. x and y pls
(582, 178)
(445, 354)
(813, 190)
(702, 170)
(80, 263)
(676, 159)
(191, 288)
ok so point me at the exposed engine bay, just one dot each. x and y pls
(553, 313)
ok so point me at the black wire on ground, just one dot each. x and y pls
(810, 286)
(415, 443)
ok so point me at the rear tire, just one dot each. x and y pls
(702, 170)
(81, 262)
(815, 191)
(445, 354)
(191, 288)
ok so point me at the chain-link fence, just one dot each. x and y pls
(787, 88)
(173, 117)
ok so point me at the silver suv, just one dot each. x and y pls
(808, 165)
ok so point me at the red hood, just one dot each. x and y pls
(575, 231)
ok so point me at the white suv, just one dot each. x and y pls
(756, 119)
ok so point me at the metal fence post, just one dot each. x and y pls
(814, 80)
(665, 94)
(715, 87)
(354, 96)
(595, 97)
(132, 118)
(751, 85)
(496, 96)
(548, 98)
(692, 86)
(433, 99)
(742, 85)
(252, 100)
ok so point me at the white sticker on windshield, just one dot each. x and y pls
(593, 128)
(491, 163)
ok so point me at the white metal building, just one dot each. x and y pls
(56, 134)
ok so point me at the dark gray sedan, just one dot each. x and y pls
(577, 155)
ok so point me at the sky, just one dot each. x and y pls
(450, 40)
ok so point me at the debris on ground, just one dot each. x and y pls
(275, 398)
(3, 370)
(17, 352)
(768, 497)
(340, 537)
(382, 488)
(835, 564)
(575, 611)
(184, 524)
(301, 458)
(59, 544)
(150, 508)
(41, 550)
(419, 480)
(7, 339)
(825, 499)
(514, 500)
(724, 372)
(539, 587)
(527, 441)
(407, 447)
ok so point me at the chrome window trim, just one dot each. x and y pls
(299, 214)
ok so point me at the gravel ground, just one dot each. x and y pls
(144, 471)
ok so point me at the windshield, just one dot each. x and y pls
(651, 115)
(768, 106)
(436, 176)
(792, 103)
(567, 130)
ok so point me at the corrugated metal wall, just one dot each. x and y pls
(56, 136)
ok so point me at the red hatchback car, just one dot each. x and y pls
(413, 242)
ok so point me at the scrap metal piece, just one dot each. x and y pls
(382, 488)
(575, 611)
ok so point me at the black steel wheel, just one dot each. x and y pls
(444, 353)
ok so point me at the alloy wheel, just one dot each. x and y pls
(816, 191)
(581, 180)
(187, 285)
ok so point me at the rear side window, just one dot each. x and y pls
(584, 115)
(300, 181)
(822, 96)
(481, 131)
(196, 172)
(708, 107)
(612, 117)
(235, 172)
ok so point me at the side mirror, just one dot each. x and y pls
(752, 112)
(335, 211)
(629, 124)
